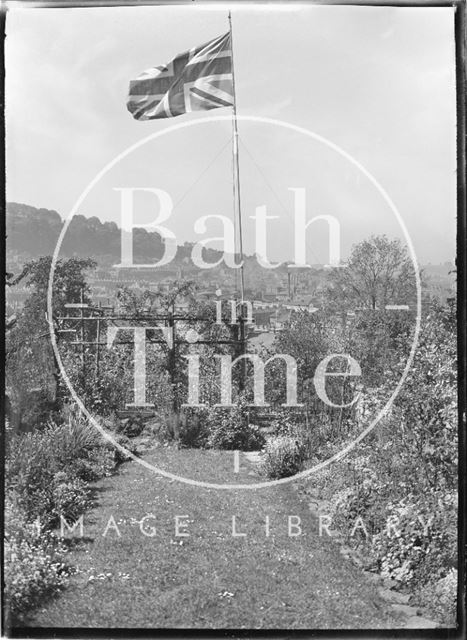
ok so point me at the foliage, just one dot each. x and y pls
(378, 272)
(411, 554)
(311, 337)
(141, 303)
(101, 392)
(405, 470)
(377, 340)
(230, 428)
(69, 282)
(283, 457)
(47, 470)
(194, 429)
(311, 432)
(107, 386)
(118, 456)
(37, 408)
(131, 427)
(30, 362)
(47, 476)
(306, 338)
(402, 480)
(440, 597)
(34, 563)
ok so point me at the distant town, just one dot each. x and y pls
(274, 294)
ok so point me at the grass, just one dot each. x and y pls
(210, 579)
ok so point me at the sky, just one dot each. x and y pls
(376, 82)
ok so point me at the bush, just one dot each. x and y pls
(283, 457)
(229, 428)
(358, 491)
(74, 439)
(30, 469)
(315, 433)
(405, 474)
(48, 469)
(194, 429)
(46, 477)
(98, 464)
(70, 498)
(34, 563)
(441, 598)
(414, 556)
(47, 472)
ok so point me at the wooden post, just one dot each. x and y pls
(82, 336)
(98, 339)
(172, 357)
(242, 348)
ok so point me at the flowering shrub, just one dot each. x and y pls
(34, 563)
(410, 539)
(70, 498)
(402, 479)
(99, 463)
(283, 457)
(48, 469)
(421, 544)
(441, 597)
(229, 428)
(46, 477)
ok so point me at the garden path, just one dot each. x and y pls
(261, 578)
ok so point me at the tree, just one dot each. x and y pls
(30, 361)
(378, 272)
(309, 338)
(141, 303)
(68, 283)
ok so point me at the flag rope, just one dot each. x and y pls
(203, 172)
(267, 182)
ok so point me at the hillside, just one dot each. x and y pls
(33, 232)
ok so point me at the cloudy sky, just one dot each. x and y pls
(377, 82)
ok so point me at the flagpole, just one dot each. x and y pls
(236, 168)
(237, 201)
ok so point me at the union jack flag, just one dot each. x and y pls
(196, 80)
